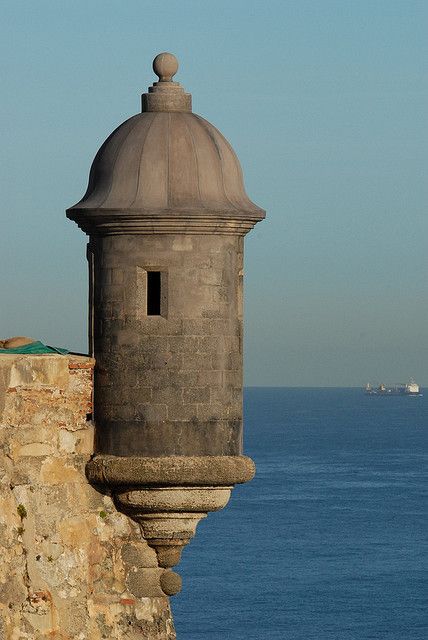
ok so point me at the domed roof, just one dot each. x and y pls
(166, 169)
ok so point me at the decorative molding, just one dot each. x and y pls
(171, 471)
(110, 222)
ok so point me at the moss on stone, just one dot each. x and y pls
(22, 511)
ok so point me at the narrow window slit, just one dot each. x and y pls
(153, 293)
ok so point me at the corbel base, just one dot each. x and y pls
(168, 497)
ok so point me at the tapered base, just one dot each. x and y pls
(168, 497)
(168, 517)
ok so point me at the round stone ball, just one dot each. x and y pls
(170, 583)
(165, 65)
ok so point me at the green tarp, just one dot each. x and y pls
(35, 347)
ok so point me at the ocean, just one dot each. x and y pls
(329, 541)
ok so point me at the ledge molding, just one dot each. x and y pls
(203, 471)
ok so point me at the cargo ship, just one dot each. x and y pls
(406, 389)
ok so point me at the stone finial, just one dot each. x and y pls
(166, 94)
(165, 66)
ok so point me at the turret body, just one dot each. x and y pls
(168, 347)
(166, 213)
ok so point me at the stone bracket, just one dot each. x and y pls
(169, 496)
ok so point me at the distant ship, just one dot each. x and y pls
(407, 389)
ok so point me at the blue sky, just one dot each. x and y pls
(325, 103)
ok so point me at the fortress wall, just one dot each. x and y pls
(72, 567)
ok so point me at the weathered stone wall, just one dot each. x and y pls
(169, 384)
(72, 567)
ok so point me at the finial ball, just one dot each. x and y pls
(165, 66)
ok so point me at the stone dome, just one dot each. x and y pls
(165, 170)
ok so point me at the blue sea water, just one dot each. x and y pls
(329, 541)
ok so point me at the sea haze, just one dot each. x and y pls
(328, 542)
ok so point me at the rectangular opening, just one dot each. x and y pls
(153, 293)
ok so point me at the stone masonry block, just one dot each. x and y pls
(199, 327)
(213, 411)
(216, 312)
(180, 412)
(48, 370)
(132, 395)
(210, 379)
(117, 276)
(209, 344)
(152, 413)
(196, 395)
(117, 311)
(139, 555)
(210, 276)
(154, 378)
(184, 344)
(57, 471)
(181, 379)
(198, 361)
(104, 276)
(155, 344)
(163, 360)
(35, 449)
(112, 293)
(227, 360)
(233, 379)
(164, 394)
(145, 583)
(127, 337)
(223, 327)
(159, 326)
